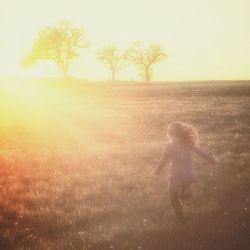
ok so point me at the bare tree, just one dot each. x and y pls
(114, 59)
(58, 42)
(144, 58)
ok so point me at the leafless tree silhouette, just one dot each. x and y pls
(144, 58)
(114, 59)
(58, 42)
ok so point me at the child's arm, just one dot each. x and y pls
(203, 155)
(163, 160)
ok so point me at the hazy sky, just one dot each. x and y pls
(205, 39)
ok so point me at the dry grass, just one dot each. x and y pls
(76, 167)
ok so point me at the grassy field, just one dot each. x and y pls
(76, 166)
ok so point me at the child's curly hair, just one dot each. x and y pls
(184, 133)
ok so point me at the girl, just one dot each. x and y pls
(183, 141)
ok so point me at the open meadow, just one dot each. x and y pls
(76, 165)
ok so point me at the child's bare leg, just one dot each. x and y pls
(174, 197)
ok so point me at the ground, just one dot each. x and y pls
(76, 164)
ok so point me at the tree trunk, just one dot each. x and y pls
(63, 67)
(147, 74)
(113, 76)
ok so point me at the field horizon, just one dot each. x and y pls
(71, 79)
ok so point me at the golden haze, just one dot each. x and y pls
(204, 39)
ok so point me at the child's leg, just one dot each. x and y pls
(174, 190)
(186, 192)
